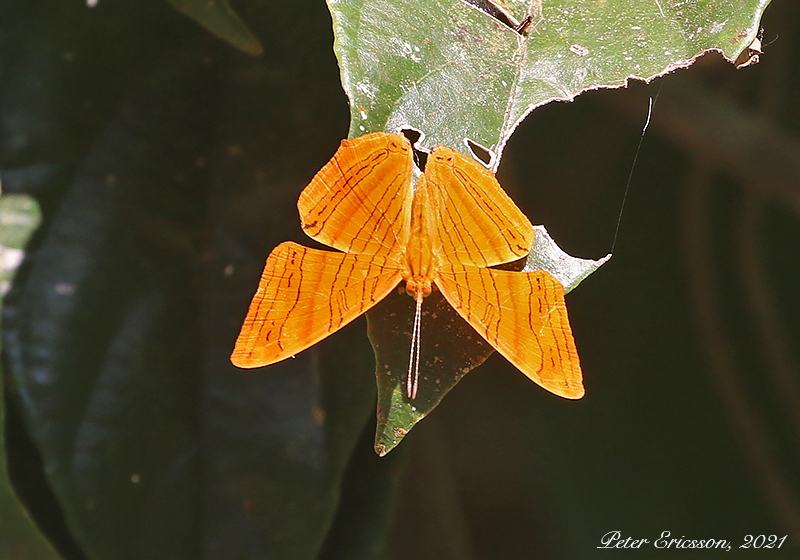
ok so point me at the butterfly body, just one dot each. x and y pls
(446, 233)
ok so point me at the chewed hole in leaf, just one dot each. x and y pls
(412, 134)
(480, 153)
(416, 137)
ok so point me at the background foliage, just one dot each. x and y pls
(167, 166)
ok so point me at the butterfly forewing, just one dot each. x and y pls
(477, 222)
(359, 201)
(305, 295)
(523, 315)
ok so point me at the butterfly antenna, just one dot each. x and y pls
(412, 383)
(418, 321)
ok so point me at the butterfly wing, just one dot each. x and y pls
(359, 201)
(305, 295)
(477, 222)
(523, 315)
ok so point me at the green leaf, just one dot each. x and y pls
(19, 217)
(569, 270)
(450, 346)
(454, 72)
(220, 19)
(459, 75)
(20, 538)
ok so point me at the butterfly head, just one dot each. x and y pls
(418, 287)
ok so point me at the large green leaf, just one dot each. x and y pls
(20, 538)
(455, 73)
(460, 76)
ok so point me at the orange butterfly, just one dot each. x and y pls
(446, 233)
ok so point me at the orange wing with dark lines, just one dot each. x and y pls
(477, 222)
(305, 295)
(359, 201)
(523, 315)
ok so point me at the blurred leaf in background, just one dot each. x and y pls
(20, 538)
(19, 217)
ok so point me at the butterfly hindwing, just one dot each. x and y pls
(523, 315)
(359, 201)
(477, 222)
(305, 295)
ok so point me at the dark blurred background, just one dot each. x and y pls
(168, 165)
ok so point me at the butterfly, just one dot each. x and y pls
(445, 234)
